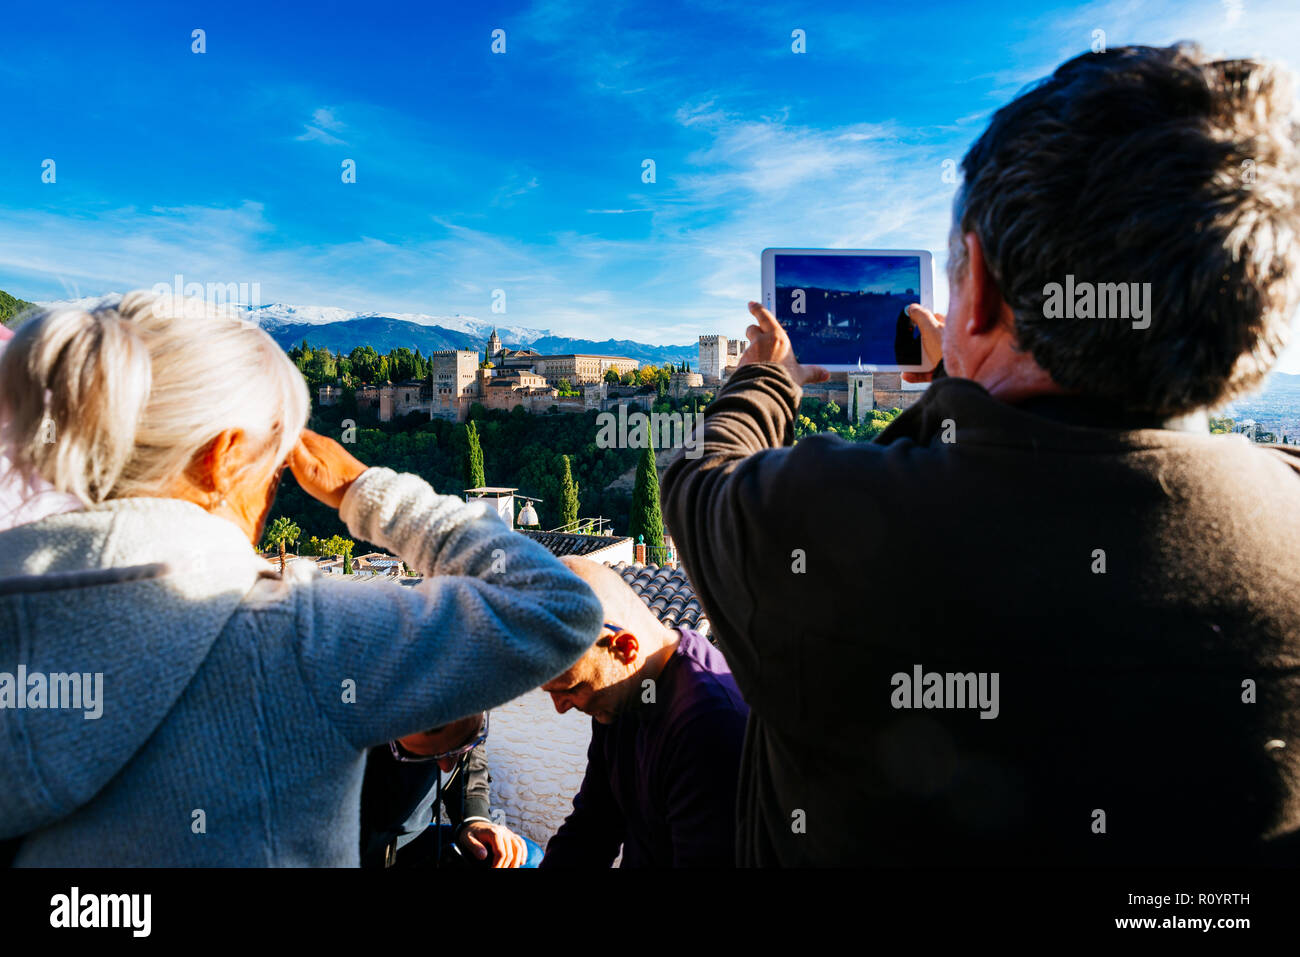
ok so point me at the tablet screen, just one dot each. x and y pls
(848, 310)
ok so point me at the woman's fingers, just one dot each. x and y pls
(323, 467)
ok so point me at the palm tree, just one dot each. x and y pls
(282, 530)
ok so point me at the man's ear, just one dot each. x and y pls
(987, 307)
(625, 647)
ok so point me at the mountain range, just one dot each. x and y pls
(341, 330)
(386, 332)
(1276, 407)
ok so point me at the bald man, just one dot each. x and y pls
(667, 727)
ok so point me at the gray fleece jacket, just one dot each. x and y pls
(235, 708)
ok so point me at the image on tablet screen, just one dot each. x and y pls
(846, 310)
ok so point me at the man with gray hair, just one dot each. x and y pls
(1051, 523)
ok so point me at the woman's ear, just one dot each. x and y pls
(219, 463)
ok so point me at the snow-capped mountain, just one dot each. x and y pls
(341, 330)
(85, 302)
(275, 316)
(278, 314)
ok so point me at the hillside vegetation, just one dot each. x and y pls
(11, 307)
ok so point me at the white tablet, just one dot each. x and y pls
(844, 309)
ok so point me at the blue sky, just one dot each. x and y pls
(520, 171)
(880, 274)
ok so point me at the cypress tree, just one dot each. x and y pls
(568, 497)
(853, 394)
(647, 520)
(473, 458)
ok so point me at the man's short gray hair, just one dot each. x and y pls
(1144, 165)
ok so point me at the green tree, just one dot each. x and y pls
(329, 547)
(364, 363)
(338, 545)
(473, 458)
(611, 376)
(1220, 424)
(647, 523)
(283, 531)
(568, 496)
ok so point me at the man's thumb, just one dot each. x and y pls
(922, 316)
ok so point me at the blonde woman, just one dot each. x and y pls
(166, 697)
(22, 501)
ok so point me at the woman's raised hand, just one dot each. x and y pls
(323, 467)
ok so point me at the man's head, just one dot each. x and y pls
(458, 734)
(605, 680)
(1137, 165)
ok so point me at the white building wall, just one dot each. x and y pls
(620, 552)
(536, 759)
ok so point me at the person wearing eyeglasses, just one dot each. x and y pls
(412, 780)
(668, 723)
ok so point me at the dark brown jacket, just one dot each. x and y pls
(827, 568)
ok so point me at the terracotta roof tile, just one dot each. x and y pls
(668, 593)
(565, 543)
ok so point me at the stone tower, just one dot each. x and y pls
(493, 345)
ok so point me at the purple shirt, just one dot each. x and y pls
(661, 780)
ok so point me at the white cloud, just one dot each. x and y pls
(517, 185)
(686, 264)
(324, 124)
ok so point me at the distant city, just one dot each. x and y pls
(531, 373)
(504, 378)
(1275, 409)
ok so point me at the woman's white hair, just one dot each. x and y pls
(118, 400)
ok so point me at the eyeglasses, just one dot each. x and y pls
(407, 757)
